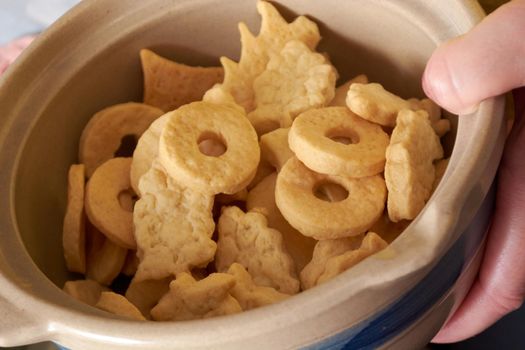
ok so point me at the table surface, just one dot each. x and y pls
(22, 17)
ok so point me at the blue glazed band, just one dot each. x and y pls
(394, 319)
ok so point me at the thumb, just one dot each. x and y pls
(486, 62)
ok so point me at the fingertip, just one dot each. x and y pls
(439, 81)
(483, 63)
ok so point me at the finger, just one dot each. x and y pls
(500, 286)
(486, 62)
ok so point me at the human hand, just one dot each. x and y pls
(489, 61)
(11, 51)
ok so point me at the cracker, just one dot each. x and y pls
(86, 291)
(103, 135)
(248, 294)
(274, 147)
(409, 169)
(189, 299)
(118, 305)
(332, 257)
(314, 217)
(247, 239)
(146, 294)
(387, 229)
(341, 91)
(102, 201)
(295, 80)
(130, 264)
(262, 199)
(105, 259)
(323, 252)
(225, 199)
(169, 85)
(173, 227)
(313, 138)
(180, 155)
(146, 151)
(263, 170)
(74, 232)
(372, 102)
(440, 126)
(275, 32)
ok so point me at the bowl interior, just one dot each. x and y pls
(94, 69)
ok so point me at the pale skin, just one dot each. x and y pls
(488, 61)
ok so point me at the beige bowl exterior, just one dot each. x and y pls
(89, 60)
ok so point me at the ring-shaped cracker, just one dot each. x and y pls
(104, 132)
(311, 138)
(102, 202)
(314, 217)
(179, 148)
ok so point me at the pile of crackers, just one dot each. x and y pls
(230, 188)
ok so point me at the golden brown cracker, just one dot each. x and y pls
(169, 85)
(274, 147)
(173, 226)
(313, 139)
(314, 217)
(189, 299)
(295, 80)
(86, 291)
(256, 51)
(262, 199)
(117, 304)
(105, 259)
(246, 238)
(104, 133)
(409, 169)
(180, 155)
(248, 294)
(74, 226)
(146, 294)
(341, 91)
(102, 201)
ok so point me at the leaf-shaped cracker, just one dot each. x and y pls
(248, 294)
(189, 299)
(409, 169)
(332, 257)
(295, 80)
(173, 226)
(256, 51)
(247, 239)
(169, 85)
(262, 199)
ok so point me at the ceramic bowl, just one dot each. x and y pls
(89, 60)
